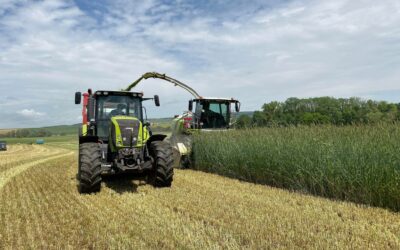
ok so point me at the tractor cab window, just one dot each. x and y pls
(113, 105)
(214, 114)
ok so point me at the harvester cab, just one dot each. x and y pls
(210, 114)
(115, 138)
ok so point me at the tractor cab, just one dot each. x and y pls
(113, 104)
(213, 113)
(101, 108)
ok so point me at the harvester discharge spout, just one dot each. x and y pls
(166, 78)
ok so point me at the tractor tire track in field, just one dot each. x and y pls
(21, 154)
(7, 175)
(40, 207)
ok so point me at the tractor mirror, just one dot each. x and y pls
(157, 100)
(78, 97)
(237, 106)
(190, 105)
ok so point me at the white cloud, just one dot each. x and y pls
(30, 113)
(254, 51)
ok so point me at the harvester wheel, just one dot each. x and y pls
(89, 168)
(163, 171)
(185, 162)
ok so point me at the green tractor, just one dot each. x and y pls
(115, 138)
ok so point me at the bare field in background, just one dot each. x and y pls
(5, 131)
(40, 207)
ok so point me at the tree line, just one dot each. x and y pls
(23, 133)
(321, 110)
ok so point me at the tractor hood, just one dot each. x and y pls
(126, 132)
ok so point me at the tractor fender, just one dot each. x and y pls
(156, 137)
(88, 139)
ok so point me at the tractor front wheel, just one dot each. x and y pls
(163, 171)
(89, 168)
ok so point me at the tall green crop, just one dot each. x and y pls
(354, 163)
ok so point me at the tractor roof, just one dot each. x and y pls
(123, 93)
(217, 99)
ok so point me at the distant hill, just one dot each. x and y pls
(5, 131)
(55, 130)
(73, 129)
(62, 129)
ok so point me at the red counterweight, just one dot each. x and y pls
(84, 109)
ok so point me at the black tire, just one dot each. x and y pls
(78, 175)
(89, 173)
(163, 170)
(79, 155)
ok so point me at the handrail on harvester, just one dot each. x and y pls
(166, 78)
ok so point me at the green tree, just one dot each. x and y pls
(244, 121)
(324, 110)
(259, 119)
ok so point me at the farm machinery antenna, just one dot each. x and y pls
(210, 114)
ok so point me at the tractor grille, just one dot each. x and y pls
(129, 129)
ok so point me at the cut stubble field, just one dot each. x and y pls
(40, 207)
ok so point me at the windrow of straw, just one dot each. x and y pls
(353, 163)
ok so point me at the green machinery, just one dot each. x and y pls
(205, 114)
(115, 138)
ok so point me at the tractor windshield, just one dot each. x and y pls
(214, 114)
(113, 105)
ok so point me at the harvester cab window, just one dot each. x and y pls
(214, 115)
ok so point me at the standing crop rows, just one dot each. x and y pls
(357, 163)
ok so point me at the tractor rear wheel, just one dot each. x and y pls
(89, 168)
(163, 170)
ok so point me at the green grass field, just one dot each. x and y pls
(356, 163)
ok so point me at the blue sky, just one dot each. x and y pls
(256, 51)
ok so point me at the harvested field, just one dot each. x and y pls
(41, 208)
(5, 131)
